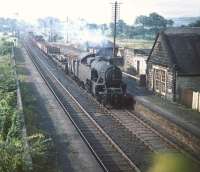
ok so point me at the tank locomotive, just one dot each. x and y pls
(100, 78)
(98, 75)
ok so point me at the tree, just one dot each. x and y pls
(92, 26)
(51, 26)
(170, 22)
(42, 23)
(104, 28)
(152, 24)
(130, 32)
(154, 20)
(141, 20)
(157, 21)
(121, 28)
(8, 25)
(195, 24)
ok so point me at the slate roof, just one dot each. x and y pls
(142, 51)
(183, 49)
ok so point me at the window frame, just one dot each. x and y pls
(160, 80)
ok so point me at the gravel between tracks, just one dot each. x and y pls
(139, 152)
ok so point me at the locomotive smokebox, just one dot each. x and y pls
(109, 73)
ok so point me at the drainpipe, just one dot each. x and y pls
(174, 81)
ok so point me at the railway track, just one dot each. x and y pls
(133, 140)
(148, 135)
(107, 153)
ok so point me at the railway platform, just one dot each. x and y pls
(70, 151)
(180, 123)
(183, 116)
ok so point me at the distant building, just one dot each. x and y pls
(104, 48)
(173, 66)
(135, 60)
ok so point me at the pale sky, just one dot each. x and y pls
(98, 11)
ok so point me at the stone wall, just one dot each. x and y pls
(177, 133)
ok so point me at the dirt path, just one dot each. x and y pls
(68, 153)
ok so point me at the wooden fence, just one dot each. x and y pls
(191, 98)
(196, 101)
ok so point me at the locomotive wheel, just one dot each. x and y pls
(104, 101)
(82, 85)
(116, 101)
(99, 98)
(128, 101)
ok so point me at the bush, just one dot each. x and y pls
(13, 153)
(38, 144)
(11, 159)
(6, 47)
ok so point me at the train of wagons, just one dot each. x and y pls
(97, 74)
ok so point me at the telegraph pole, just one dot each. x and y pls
(115, 10)
(51, 30)
(67, 30)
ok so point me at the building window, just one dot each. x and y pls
(160, 81)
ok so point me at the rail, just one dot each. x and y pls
(132, 76)
(86, 113)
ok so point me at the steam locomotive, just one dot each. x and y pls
(100, 78)
(98, 75)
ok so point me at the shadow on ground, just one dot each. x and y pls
(38, 120)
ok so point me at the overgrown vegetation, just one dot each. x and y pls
(10, 123)
(33, 110)
(46, 161)
(13, 152)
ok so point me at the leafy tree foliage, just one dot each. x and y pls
(8, 24)
(12, 149)
(13, 152)
(196, 24)
(50, 26)
(145, 27)
(152, 24)
(92, 26)
(5, 47)
(154, 20)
